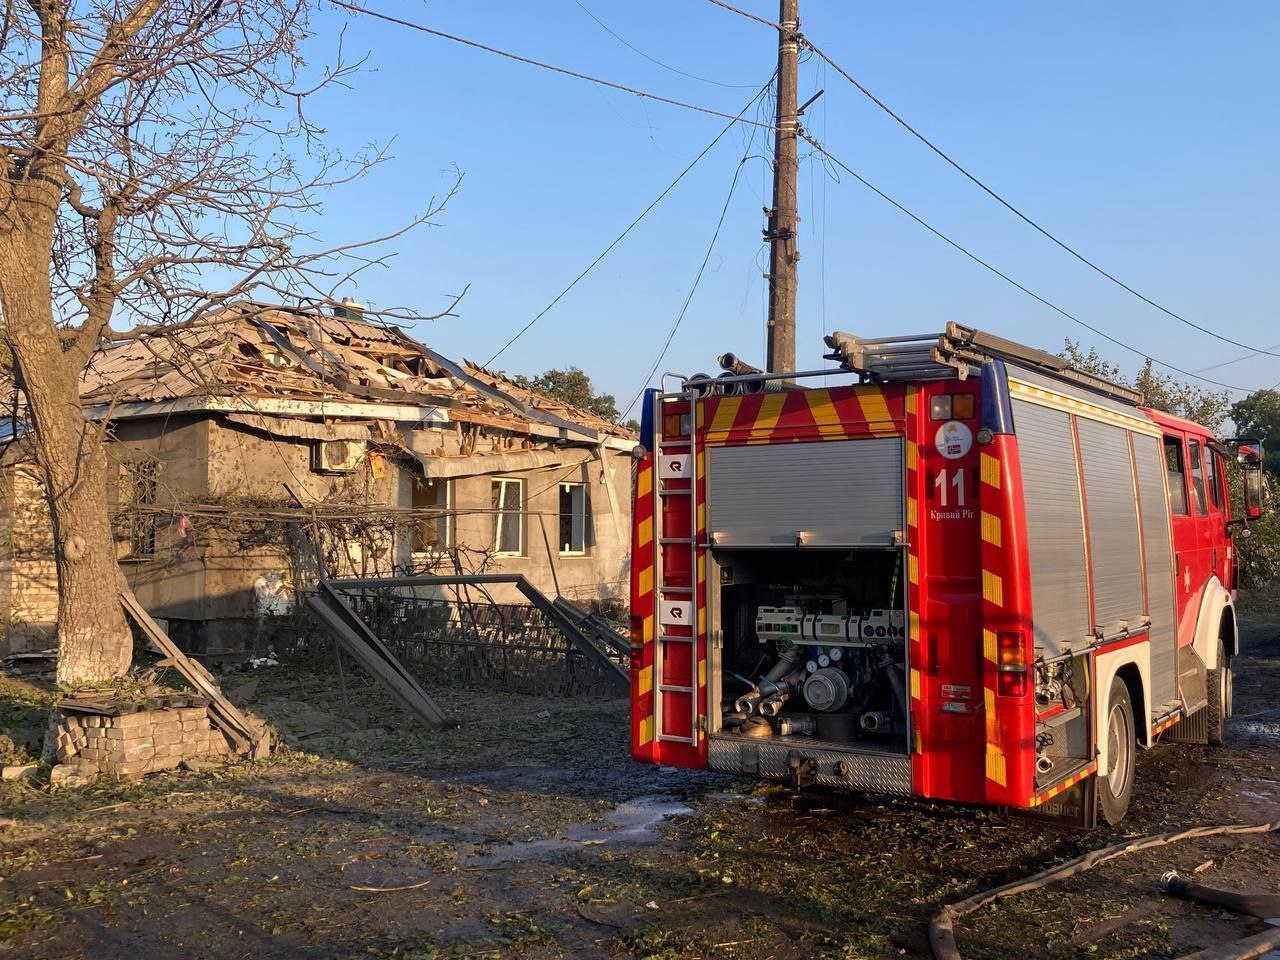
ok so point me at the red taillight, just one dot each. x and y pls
(1011, 665)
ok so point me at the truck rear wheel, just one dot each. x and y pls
(1219, 691)
(1115, 788)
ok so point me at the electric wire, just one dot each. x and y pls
(631, 226)
(978, 182)
(565, 71)
(684, 307)
(665, 66)
(355, 8)
(1004, 276)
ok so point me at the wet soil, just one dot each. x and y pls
(525, 831)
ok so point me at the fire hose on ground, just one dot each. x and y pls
(942, 938)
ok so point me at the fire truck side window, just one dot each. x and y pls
(1197, 478)
(1212, 472)
(1177, 476)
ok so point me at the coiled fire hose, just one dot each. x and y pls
(942, 939)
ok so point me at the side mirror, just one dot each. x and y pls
(1249, 456)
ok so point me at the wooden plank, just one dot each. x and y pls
(221, 710)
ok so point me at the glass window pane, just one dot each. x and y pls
(1197, 477)
(508, 523)
(1177, 476)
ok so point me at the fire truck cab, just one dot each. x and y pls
(972, 574)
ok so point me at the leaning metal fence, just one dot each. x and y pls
(450, 632)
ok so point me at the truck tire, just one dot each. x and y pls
(1220, 692)
(1116, 788)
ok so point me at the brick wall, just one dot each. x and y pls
(28, 575)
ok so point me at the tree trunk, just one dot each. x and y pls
(94, 640)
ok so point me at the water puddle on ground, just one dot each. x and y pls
(1267, 730)
(634, 821)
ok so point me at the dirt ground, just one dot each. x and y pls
(527, 832)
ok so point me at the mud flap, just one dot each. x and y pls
(1076, 807)
(1192, 729)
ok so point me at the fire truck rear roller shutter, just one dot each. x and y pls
(834, 493)
(1113, 525)
(1148, 457)
(1055, 527)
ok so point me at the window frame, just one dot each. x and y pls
(1177, 508)
(1195, 458)
(584, 506)
(443, 521)
(143, 478)
(500, 515)
(1213, 477)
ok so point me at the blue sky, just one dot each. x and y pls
(1143, 133)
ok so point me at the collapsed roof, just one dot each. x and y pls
(252, 354)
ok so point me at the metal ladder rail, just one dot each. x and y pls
(660, 686)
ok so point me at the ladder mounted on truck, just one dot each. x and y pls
(955, 354)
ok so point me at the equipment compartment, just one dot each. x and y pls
(813, 648)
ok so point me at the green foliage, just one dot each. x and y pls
(574, 387)
(1258, 415)
(1159, 390)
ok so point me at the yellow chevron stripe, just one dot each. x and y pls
(990, 469)
(919, 741)
(915, 684)
(702, 673)
(644, 683)
(913, 569)
(913, 509)
(644, 533)
(996, 767)
(645, 581)
(991, 528)
(823, 412)
(646, 730)
(646, 630)
(726, 413)
(767, 419)
(989, 706)
(913, 455)
(913, 626)
(876, 410)
(911, 400)
(992, 588)
(989, 645)
(644, 482)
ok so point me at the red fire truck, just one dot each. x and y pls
(972, 574)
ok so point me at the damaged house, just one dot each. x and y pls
(265, 447)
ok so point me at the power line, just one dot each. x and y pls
(665, 66)
(631, 226)
(1227, 363)
(692, 289)
(422, 28)
(1004, 276)
(973, 178)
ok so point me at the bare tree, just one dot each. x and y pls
(155, 161)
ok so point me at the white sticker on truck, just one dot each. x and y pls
(677, 612)
(676, 466)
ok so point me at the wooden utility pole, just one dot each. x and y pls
(781, 230)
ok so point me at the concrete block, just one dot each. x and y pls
(166, 763)
(132, 721)
(192, 713)
(90, 754)
(19, 771)
(69, 774)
